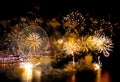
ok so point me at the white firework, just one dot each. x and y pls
(102, 43)
(71, 46)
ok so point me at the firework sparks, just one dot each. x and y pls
(101, 43)
(71, 45)
(28, 40)
(74, 20)
(33, 43)
(84, 44)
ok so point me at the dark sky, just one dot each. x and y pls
(11, 8)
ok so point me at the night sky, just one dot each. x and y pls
(12, 8)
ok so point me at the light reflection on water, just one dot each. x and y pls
(71, 79)
(99, 77)
(106, 77)
(35, 75)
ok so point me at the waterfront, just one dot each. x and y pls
(35, 75)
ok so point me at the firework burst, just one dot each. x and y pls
(30, 40)
(73, 21)
(84, 45)
(33, 43)
(35, 40)
(71, 45)
(101, 43)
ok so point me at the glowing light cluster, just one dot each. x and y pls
(71, 46)
(101, 43)
(33, 43)
(83, 44)
(27, 74)
(96, 66)
(29, 40)
(73, 19)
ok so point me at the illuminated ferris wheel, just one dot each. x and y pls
(29, 40)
